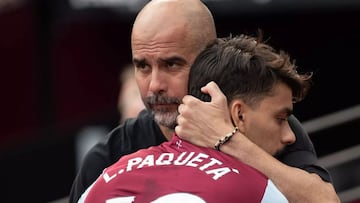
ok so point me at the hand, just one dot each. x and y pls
(204, 123)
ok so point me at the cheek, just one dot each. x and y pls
(182, 89)
(273, 138)
(143, 86)
(262, 133)
(179, 84)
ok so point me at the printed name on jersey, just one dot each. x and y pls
(209, 165)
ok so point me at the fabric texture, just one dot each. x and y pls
(178, 169)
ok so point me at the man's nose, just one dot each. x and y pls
(158, 81)
(288, 136)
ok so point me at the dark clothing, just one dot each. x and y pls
(302, 153)
(142, 132)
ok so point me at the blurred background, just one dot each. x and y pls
(60, 62)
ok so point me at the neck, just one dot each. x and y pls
(168, 133)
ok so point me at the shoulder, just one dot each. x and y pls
(302, 153)
(302, 137)
(132, 135)
(303, 141)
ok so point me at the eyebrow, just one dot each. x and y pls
(177, 59)
(138, 61)
(285, 110)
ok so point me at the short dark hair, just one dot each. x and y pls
(245, 67)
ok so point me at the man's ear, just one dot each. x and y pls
(237, 111)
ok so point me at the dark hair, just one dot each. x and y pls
(245, 68)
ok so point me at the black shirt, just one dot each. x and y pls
(142, 132)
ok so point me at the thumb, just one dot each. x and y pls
(217, 97)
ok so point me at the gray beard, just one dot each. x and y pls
(167, 119)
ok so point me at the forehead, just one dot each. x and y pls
(172, 40)
(280, 99)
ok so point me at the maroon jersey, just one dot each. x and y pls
(177, 171)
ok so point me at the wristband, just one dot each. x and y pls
(225, 139)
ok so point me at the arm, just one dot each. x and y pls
(206, 122)
(94, 163)
(104, 153)
(132, 135)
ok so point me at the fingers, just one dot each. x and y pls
(181, 108)
(183, 111)
(189, 101)
(187, 107)
(215, 92)
(181, 124)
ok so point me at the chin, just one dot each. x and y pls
(167, 119)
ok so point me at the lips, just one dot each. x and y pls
(162, 103)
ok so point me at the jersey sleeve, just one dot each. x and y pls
(272, 194)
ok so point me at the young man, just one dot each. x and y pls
(167, 35)
(260, 86)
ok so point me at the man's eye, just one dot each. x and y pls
(171, 64)
(140, 66)
(282, 120)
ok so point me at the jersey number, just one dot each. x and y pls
(169, 198)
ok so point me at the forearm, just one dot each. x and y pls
(296, 184)
(203, 123)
